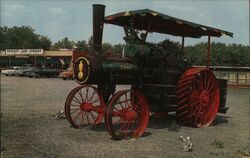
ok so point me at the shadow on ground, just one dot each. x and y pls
(220, 120)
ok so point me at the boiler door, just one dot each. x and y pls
(81, 70)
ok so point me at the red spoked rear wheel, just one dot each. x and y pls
(198, 96)
(84, 106)
(127, 115)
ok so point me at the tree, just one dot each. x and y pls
(170, 45)
(106, 47)
(22, 37)
(3, 37)
(44, 42)
(82, 46)
(65, 43)
(221, 54)
(91, 45)
(117, 49)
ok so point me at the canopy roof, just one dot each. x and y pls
(153, 21)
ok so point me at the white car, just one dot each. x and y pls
(12, 71)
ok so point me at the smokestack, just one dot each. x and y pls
(98, 19)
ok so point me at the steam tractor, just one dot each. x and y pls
(161, 79)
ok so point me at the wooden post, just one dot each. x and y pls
(9, 61)
(35, 61)
(44, 61)
(208, 52)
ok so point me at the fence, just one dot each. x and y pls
(236, 76)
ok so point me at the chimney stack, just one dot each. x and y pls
(98, 20)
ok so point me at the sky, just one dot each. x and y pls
(73, 18)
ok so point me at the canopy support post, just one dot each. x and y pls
(148, 28)
(182, 45)
(208, 51)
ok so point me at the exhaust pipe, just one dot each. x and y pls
(98, 20)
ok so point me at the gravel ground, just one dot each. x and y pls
(29, 128)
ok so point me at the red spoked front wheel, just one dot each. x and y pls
(84, 106)
(199, 95)
(127, 115)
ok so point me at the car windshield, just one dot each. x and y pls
(27, 65)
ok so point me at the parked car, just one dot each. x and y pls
(11, 71)
(27, 65)
(66, 74)
(24, 69)
(39, 72)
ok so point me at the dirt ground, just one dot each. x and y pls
(29, 128)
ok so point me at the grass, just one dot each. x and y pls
(174, 127)
(219, 144)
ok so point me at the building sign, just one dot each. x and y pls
(24, 51)
(21, 56)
